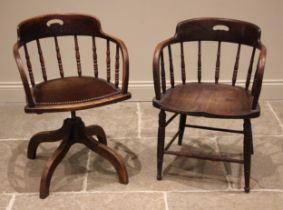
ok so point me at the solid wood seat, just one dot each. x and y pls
(208, 99)
(71, 93)
(211, 98)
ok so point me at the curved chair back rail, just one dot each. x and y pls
(57, 25)
(211, 29)
(198, 97)
(40, 41)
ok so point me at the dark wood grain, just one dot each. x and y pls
(203, 29)
(258, 77)
(52, 162)
(236, 66)
(78, 57)
(58, 55)
(72, 92)
(249, 73)
(29, 65)
(171, 66)
(74, 131)
(160, 145)
(94, 56)
(199, 30)
(63, 24)
(46, 136)
(117, 65)
(96, 130)
(217, 68)
(41, 59)
(108, 61)
(23, 75)
(199, 61)
(182, 124)
(163, 76)
(76, 25)
(183, 67)
(215, 99)
(247, 152)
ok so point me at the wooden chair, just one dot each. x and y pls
(214, 99)
(71, 93)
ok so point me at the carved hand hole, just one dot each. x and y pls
(221, 28)
(54, 21)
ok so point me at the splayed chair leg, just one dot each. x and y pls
(96, 130)
(110, 155)
(46, 136)
(51, 165)
(74, 131)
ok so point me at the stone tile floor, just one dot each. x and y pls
(86, 181)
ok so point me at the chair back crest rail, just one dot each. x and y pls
(210, 29)
(58, 25)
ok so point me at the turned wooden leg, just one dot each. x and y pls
(109, 154)
(182, 125)
(160, 143)
(46, 136)
(247, 153)
(251, 136)
(96, 130)
(51, 165)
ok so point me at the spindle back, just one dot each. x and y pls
(73, 25)
(202, 31)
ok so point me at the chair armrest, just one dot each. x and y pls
(23, 75)
(156, 64)
(125, 58)
(257, 83)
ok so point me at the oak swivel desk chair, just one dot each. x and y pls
(215, 99)
(71, 93)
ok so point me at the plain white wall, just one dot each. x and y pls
(142, 24)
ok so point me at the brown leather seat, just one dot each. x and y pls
(72, 90)
(73, 93)
(208, 99)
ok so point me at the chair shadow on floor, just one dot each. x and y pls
(24, 174)
(265, 172)
(102, 172)
(196, 171)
